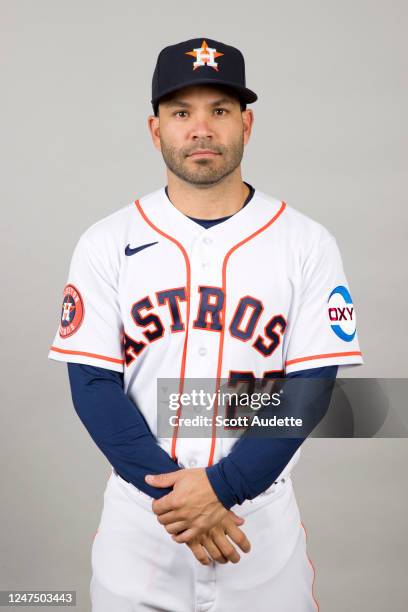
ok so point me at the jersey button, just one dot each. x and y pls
(207, 240)
(192, 463)
(205, 265)
(202, 351)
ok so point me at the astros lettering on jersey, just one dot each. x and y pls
(152, 294)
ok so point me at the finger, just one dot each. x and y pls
(186, 536)
(164, 504)
(213, 550)
(238, 537)
(238, 520)
(199, 553)
(170, 517)
(226, 548)
(176, 528)
(162, 480)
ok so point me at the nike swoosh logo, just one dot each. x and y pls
(129, 251)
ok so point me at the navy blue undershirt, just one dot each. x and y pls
(120, 431)
(207, 223)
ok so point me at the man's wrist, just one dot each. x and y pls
(221, 488)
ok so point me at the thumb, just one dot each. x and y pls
(238, 520)
(161, 480)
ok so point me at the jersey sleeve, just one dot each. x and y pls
(90, 329)
(322, 329)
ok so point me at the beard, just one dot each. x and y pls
(203, 171)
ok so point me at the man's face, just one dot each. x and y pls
(201, 118)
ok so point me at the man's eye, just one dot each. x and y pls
(183, 113)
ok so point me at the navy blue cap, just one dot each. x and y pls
(199, 61)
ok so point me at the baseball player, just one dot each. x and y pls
(204, 278)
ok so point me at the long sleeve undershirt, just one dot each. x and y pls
(120, 431)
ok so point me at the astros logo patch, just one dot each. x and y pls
(341, 313)
(72, 311)
(205, 55)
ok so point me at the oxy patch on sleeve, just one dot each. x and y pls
(341, 313)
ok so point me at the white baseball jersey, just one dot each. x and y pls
(152, 294)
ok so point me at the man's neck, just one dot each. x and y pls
(211, 202)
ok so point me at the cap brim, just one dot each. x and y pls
(246, 95)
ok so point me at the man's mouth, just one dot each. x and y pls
(203, 153)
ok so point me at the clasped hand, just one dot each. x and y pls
(192, 514)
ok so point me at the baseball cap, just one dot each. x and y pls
(199, 61)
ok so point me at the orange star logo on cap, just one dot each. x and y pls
(205, 56)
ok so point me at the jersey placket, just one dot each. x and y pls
(203, 341)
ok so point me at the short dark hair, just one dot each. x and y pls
(232, 92)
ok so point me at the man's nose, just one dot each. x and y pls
(202, 128)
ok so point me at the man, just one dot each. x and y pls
(204, 278)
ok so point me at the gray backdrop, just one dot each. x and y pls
(330, 138)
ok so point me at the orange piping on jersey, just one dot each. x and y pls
(183, 360)
(314, 573)
(325, 356)
(221, 344)
(66, 351)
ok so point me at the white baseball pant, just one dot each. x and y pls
(138, 567)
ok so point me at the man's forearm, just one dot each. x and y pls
(255, 463)
(117, 426)
(120, 431)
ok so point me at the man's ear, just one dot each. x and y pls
(248, 122)
(153, 123)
